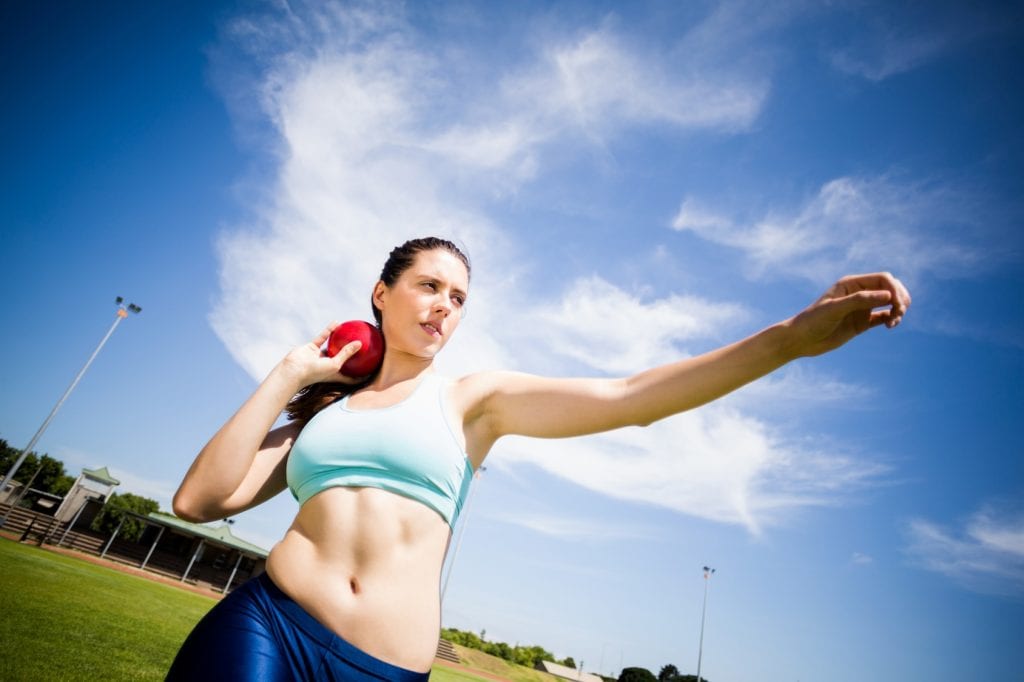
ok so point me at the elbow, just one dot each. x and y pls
(634, 403)
(183, 511)
(186, 509)
(639, 407)
(629, 407)
(644, 418)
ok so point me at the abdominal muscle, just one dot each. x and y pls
(367, 564)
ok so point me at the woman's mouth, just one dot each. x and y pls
(431, 329)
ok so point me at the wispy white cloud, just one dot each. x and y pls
(715, 463)
(610, 330)
(564, 528)
(861, 559)
(351, 92)
(902, 37)
(596, 82)
(857, 224)
(369, 155)
(984, 554)
(352, 182)
(797, 386)
(699, 219)
(890, 53)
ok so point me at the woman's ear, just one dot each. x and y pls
(379, 289)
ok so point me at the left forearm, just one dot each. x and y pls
(511, 403)
(669, 389)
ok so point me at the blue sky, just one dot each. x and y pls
(635, 182)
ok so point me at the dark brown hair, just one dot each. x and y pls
(316, 397)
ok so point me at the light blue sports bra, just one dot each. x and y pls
(408, 448)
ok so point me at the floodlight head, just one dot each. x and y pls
(134, 308)
(119, 300)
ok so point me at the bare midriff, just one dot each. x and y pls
(367, 564)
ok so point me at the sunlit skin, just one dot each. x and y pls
(366, 562)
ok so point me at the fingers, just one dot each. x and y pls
(322, 337)
(311, 362)
(879, 317)
(343, 354)
(876, 283)
(900, 301)
(328, 367)
(904, 297)
(863, 300)
(347, 351)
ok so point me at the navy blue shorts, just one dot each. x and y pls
(259, 633)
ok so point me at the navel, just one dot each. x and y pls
(353, 585)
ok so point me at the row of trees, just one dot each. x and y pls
(520, 655)
(116, 509)
(51, 477)
(668, 673)
(531, 655)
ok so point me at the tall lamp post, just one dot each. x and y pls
(122, 313)
(708, 572)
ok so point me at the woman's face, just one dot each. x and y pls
(424, 306)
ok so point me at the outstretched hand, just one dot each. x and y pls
(309, 363)
(850, 307)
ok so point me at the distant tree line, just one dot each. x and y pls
(520, 655)
(531, 655)
(52, 478)
(668, 673)
(117, 508)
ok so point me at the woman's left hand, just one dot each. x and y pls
(850, 307)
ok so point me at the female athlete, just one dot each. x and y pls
(381, 466)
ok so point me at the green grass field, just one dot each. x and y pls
(478, 660)
(439, 674)
(66, 619)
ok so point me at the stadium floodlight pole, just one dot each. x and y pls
(462, 532)
(708, 572)
(122, 312)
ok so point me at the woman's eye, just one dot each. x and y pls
(430, 285)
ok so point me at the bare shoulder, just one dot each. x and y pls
(506, 403)
(479, 386)
(473, 397)
(472, 394)
(469, 392)
(482, 381)
(482, 392)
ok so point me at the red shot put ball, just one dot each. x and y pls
(367, 358)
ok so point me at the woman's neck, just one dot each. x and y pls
(399, 367)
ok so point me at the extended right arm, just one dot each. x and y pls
(243, 465)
